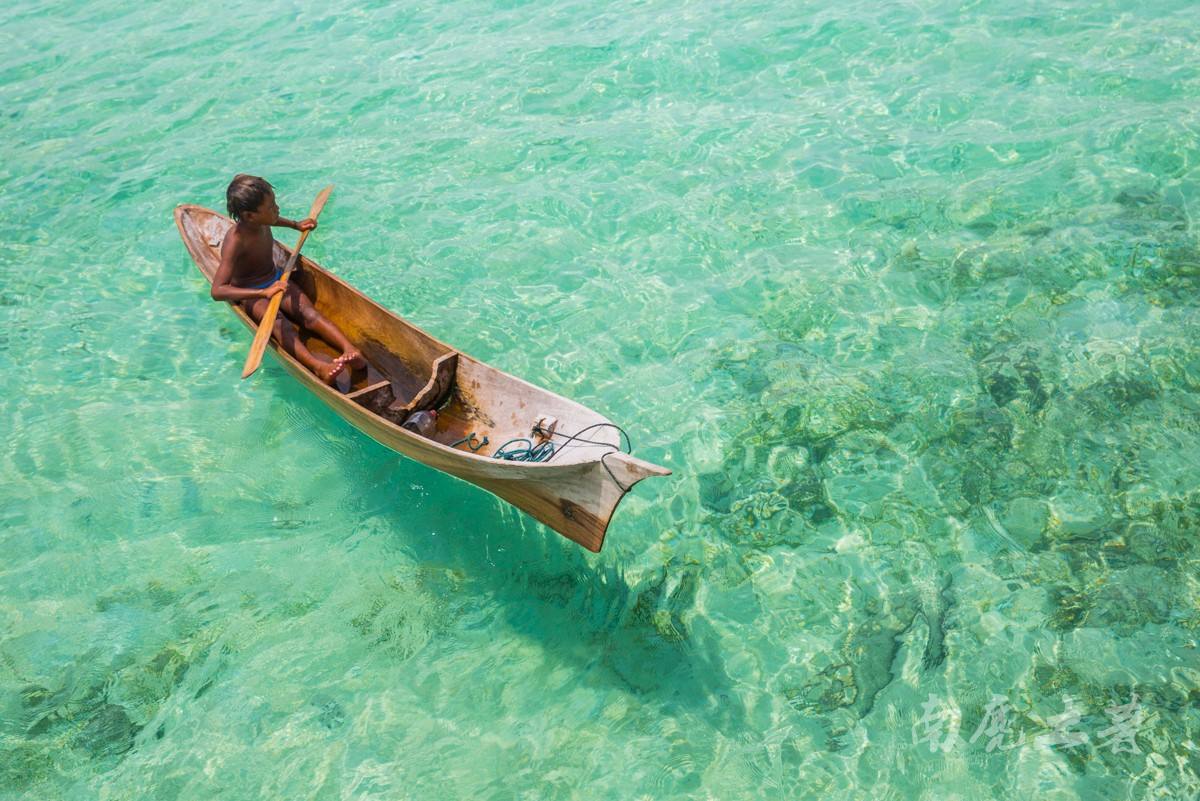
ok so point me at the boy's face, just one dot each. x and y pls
(267, 212)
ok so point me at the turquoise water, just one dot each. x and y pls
(906, 295)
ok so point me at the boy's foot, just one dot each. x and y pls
(329, 371)
(353, 359)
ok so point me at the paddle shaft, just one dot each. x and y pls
(263, 334)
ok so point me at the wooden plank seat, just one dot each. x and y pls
(358, 393)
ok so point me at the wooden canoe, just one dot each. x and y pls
(575, 493)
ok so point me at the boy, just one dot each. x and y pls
(248, 275)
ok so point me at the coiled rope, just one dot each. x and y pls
(546, 451)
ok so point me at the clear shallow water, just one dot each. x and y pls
(906, 295)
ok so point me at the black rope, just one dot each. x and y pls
(575, 437)
(611, 473)
(616, 448)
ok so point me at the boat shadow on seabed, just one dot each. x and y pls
(644, 638)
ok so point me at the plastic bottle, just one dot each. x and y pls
(422, 423)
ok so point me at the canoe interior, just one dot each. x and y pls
(483, 400)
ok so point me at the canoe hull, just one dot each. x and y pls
(575, 498)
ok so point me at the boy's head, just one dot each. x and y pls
(251, 199)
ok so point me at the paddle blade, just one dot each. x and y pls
(319, 203)
(262, 336)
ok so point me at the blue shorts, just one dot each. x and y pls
(267, 283)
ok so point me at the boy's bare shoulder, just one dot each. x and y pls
(232, 241)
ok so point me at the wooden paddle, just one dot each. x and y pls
(263, 334)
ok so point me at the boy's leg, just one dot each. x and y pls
(289, 336)
(299, 308)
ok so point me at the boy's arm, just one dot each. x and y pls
(307, 224)
(222, 286)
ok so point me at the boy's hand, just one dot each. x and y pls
(273, 290)
(307, 224)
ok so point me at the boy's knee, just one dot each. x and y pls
(309, 316)
(253, 308)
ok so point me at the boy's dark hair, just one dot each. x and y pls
(246, 193)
